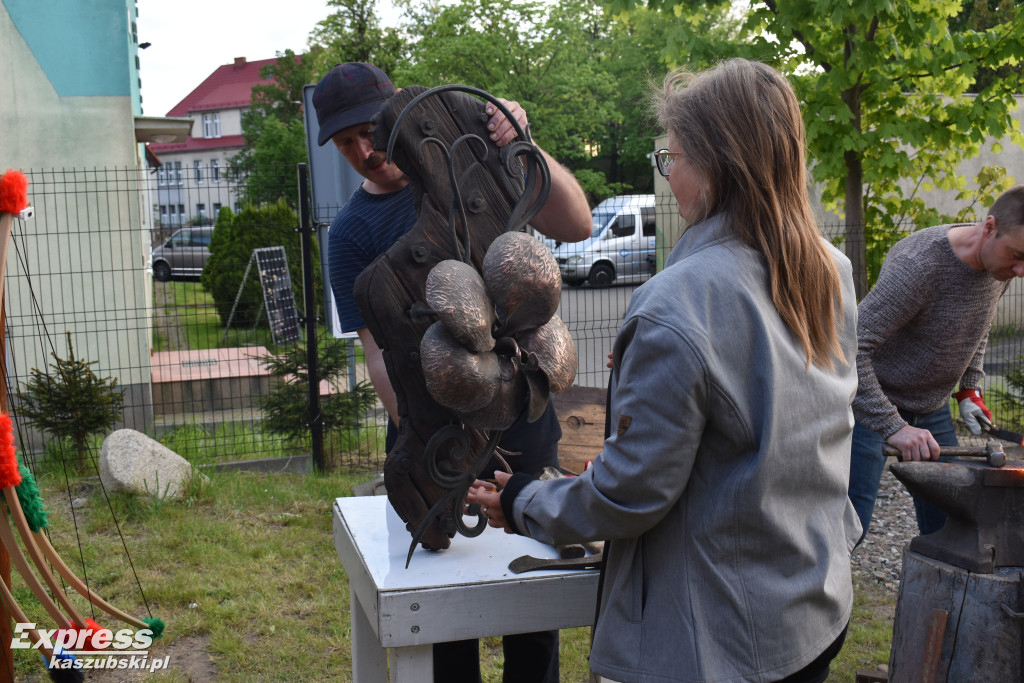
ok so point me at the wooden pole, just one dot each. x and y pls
(6, 634)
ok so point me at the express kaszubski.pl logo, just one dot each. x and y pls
(92, 648)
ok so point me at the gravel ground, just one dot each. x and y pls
(879, 557)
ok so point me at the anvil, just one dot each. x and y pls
(985, 512)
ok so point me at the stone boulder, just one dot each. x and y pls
(131, 461)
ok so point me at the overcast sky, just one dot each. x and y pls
(189, 39)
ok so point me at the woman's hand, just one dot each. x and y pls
(489, 498)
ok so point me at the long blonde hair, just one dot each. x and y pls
(739, 126)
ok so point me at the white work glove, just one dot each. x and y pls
(973, 411)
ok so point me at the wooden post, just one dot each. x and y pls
(970, 635)
(6, 634)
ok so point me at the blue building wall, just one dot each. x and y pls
(85, 47)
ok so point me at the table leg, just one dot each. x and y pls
(413, 664)
(369, 659)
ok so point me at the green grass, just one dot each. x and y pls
(244, 568)
(192, 309)
(199, 325)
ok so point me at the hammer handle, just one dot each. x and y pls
(951, 451)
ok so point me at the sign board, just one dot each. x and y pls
(278, 296)
(332, 181)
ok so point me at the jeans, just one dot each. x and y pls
(867, 462)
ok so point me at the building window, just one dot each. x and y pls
(161, 176)
(198, 166)
(201, 212)
(211, 125)
(179, 178)
(216, 209)
(163, 214)
(214, 171)
(174, 215)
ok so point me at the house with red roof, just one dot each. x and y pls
(191, 183)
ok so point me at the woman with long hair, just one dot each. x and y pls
(721, 490)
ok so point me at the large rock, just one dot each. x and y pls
(131, 461)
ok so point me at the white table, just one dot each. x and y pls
(463, 592)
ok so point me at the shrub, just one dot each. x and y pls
(71, 402)
(231, 248)
(286, 406)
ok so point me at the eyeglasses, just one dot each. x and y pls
(665, 160)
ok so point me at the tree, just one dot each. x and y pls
(353, 34)
(274, 131)
(887, 106)
(286, 406)
(71, 402)
(981, 15)
(274, 127)
(231, 250)
(632, 49)
(535, 53)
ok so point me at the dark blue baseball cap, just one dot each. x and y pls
(350, 94)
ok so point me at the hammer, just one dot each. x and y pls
(992, 452)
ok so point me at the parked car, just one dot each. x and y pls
(185, 253)
(620, 249)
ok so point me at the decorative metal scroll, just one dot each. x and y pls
(426, 302)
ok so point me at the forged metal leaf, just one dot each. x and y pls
(456, 377)
(506, 406)
(556, 353)
(456, 292)
(524, 282)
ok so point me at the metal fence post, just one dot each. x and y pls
(316, 423)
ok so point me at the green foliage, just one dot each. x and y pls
(286, 406)
(535, 53)
(274, 131)
(231, 248)
(886, 93)
(1010, 399)
(71, 402)
(353, 33)
(597, 187)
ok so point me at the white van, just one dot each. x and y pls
(621, 248)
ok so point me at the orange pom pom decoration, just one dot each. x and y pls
(9, 474)
(90, 626)
(13, 191)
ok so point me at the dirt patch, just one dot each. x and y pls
(187, 658)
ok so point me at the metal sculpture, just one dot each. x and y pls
(463, 305)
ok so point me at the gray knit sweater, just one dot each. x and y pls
(921, 330)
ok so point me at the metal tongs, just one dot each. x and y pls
(1006, 435)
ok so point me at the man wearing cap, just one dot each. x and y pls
(378, 214)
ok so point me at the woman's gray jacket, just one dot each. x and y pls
(723, 485)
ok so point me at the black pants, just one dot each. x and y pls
(817, 671)
(529, 658)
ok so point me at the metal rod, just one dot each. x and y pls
(316, 419)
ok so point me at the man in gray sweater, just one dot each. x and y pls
(921, 331)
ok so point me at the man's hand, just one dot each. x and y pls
(489, 498)
(502, 130)
(915, 444)
(973, 410)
